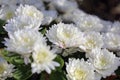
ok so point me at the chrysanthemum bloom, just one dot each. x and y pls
(49, 16)
(112, 41)
(65, 35)
(29, 11)
(79, 70)
(8, 2)
(5, 69)
(64, 5)
(91, 40)
(37, 3)
(105, 62)
(7, 12)
(89, 23)
(43, 59)
(115, 27)
(21, 22)
(73, 15)
(22, 41)
(107, 26)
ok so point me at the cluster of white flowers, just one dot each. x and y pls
(26, 40)
(97, 38)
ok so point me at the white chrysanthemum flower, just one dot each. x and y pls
(89, 23)
(8, 2)
(29, 11)
(91, 40)
(64, 5)
(73, 15)
(20, 23)
(105, 62)
(37, 3)
(79, 70)
(107, 25)
(7, 12)
(22, 41)
(65, 35)
(112, 41)
(49, 16)
(43, 59)
(115, 27)
(5, 69)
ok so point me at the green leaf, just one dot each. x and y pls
(23, 72)
(44, 76)
(43, 31)
(55, 75)
(3, 52)
(12, 58)
(58, 75)
(2, 23)
(118, 71)
(60, 61)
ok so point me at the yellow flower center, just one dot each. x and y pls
(30, 13)
(103, 61)
(88, 24)
(67, 35)
(9, 15)
(25, 39)
(80, 74)
(41, 56)
(90, 43)
(2, 68)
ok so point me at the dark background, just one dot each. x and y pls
(105, 9)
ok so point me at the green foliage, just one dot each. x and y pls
(60, 61)
(58, 75)
(43, 31)
(22, 71)
(44, 76)
(2, 23)
(12, 58)
(55, 75)
(118, 71)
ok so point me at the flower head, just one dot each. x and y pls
(7, 12)
(105, 62)
(91, 40)
(112, 41)
(5, 69)
(64, 5)
(49, 16)
(22, 41)
(65, 35)
(115, 27)
(43, 59)
(89, 23)
(29, 11)
(79, 70)
(20, 23)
